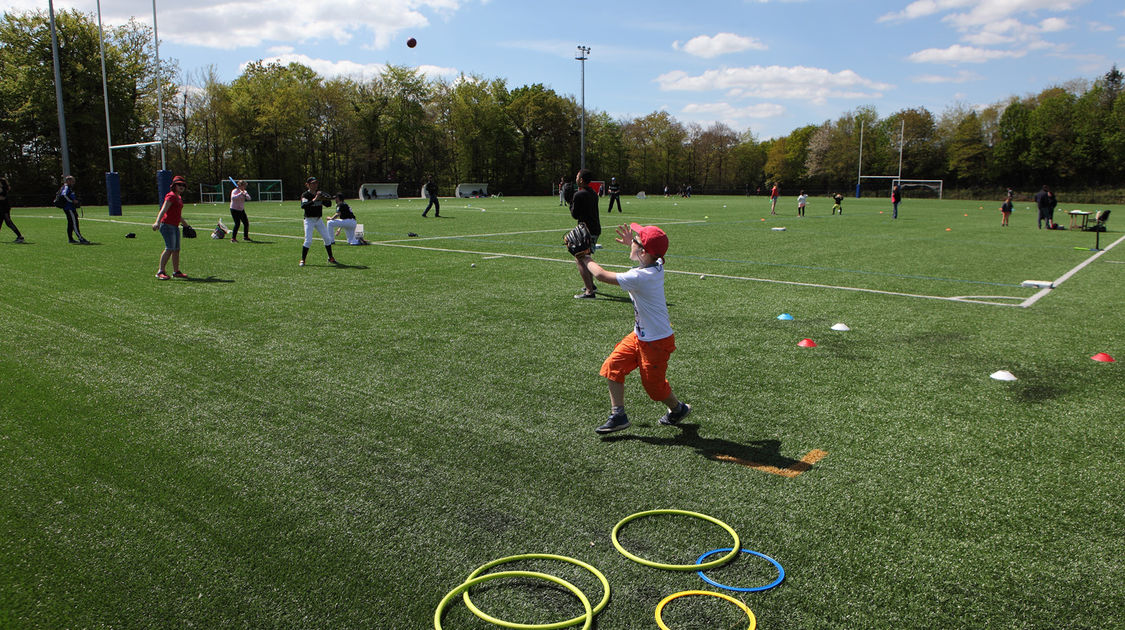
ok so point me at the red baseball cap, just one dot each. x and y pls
(653, 239)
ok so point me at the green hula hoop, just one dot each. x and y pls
(510, 574)
(677, 567)
(744, 607)
(546, 626)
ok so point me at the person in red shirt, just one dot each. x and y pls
(168, 221)
(775, 192)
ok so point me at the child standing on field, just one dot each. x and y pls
(1005, 212)
(652, 340)
(838, 206)
(802, 199)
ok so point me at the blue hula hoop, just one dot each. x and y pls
(753, 589)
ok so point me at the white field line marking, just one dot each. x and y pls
(1066, 276)
(416, 239)
(403, 244)
(966, 299)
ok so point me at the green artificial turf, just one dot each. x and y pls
(265, 445)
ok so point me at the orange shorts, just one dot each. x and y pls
(650, 356)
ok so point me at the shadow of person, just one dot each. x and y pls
(612, 297)
(343, 266)
(207, 279)
(756, 453)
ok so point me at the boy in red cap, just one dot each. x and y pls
(652, 340)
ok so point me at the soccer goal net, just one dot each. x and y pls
(378, 191)
(472, 190)
(259, 189)
(926, 187)
(209, 193)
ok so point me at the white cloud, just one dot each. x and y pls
(729, 113)
(232, 24)
(962, 54)
(345, 68)
(1099, 27)
(1053, 25)
(721, 44)
(924, 8)
(991, 22)
(798, 82)
(987, 11)
(962, 77)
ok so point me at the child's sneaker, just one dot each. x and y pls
(180, 274)
(672, 418)
(163, 276)
(300, 263)
(332, 261)
(616, 422)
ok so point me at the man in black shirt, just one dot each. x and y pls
(584, 209)
(431, 193)
(312, 203)
(614, 195)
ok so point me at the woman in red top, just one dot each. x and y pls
(168, 221)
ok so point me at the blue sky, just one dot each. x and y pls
(769, 66)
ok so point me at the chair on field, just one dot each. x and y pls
(1099, 222)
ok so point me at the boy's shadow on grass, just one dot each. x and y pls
(613, 297)
(208, 279)
(764, 452)
(343, 266)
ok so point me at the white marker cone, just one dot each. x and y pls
(842, 327)
(1003, 375)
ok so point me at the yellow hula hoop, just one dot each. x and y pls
(527, 626)
(589, 616)
(678, 567)
(744, 607)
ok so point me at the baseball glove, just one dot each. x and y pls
(579, 241)
(189, 232)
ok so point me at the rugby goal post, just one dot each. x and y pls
(378, 191)
(466, 190)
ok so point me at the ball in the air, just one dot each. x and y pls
(412, 42)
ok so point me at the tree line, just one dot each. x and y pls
(286, 122)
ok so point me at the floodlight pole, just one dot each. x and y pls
(582, 52)
(58, 91)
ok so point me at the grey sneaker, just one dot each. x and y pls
(615, 423)
(586, 296)
(672, 418)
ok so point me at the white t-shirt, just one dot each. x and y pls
(646, 288)
(801, 200)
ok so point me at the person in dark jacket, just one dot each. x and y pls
(6, 209)
(1045, 200)
(614, 195)
(431, 194)
(584, 209)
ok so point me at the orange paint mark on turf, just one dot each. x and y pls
(792, 470)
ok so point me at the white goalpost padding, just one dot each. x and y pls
(472, 190)
(378, 191)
